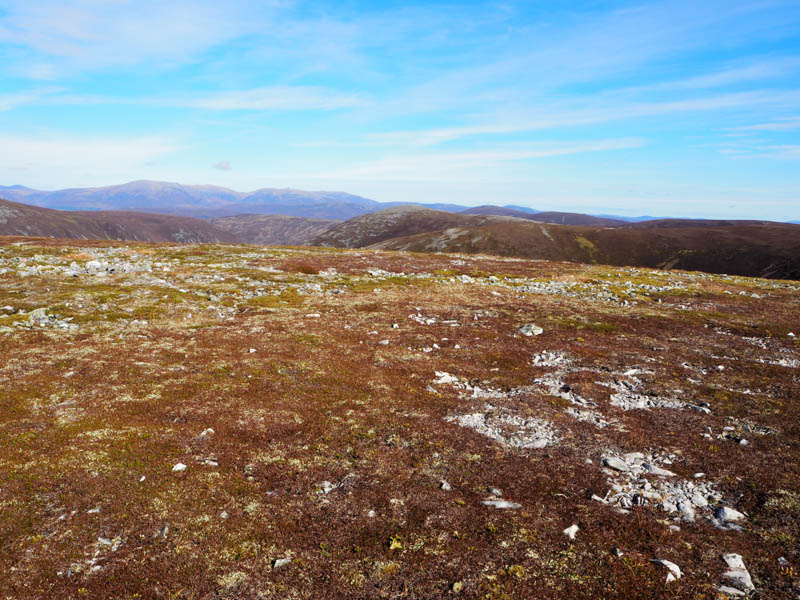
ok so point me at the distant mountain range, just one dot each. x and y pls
(295, 217)
(752, 248)
(208, 201)
(202, 201)
(22, 220)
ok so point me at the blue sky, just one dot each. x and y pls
(669, 108)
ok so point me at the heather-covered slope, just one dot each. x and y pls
(21, 219)
(396, 222)
(271, 230)
(560, 218)
(262, 423)
(754, 248)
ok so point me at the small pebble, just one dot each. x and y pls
(571, 531)
(501, 504)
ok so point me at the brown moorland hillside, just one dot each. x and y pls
(22, 219)
(561, 218)
(271, 230)
(752, 249)
(222, 421)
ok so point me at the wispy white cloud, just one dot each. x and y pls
(272, 98)
(223, 165)
(785, 151)
(787, 124)
(550, 117)
(760, 71)
(9, 101)
(98, 34)
(267, 98)
(64, 152)
(438, 166)
(763, 150)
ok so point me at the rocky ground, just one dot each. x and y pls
(243, 422)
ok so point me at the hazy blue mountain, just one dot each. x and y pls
(631, 219)
(205, 201)
(526, 209)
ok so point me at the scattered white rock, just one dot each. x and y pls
(726, 514)
(497, 503)
(731, 591)
(224, 515)
(445, 485)
(687, 509)
(551, 359)
(509, 429)
(444, 378)
(327, 487)
(629, 395)
(654, 470)
(496, 492)
(674, 570)
(280, 562)
(529, 329)
(571, 531)
(207, 432)
(612, 462)
(179, 467)
(737, 575)
(644, 482)
(313, 316)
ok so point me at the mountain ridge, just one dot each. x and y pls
(22, 219)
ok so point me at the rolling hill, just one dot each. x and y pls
(271, 230)
(737, 248)
(21, 219)
(560, 218)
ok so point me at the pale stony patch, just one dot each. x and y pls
(639, 479)
(630, 395)
(508, 429)
(554, 384)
